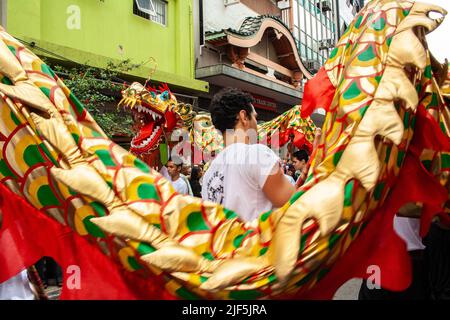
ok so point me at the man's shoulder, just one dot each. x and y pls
(261, 148)
(249, 148)
(244, 156)
(263, 153)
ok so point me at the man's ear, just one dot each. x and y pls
(243, 117)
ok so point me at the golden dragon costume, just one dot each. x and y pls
(387, 95)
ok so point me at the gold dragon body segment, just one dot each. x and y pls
(202, 249)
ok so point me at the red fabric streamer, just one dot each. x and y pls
(319, 93)
(28, 234)
(379, 245)
(431, 136)
(297, 138)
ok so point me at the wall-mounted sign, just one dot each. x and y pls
(264, 103)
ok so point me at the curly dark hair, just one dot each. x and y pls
(226, 105)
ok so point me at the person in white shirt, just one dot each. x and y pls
(17, 288)
(290, 173)
(186, 179)
(179, 183)
(245, 177)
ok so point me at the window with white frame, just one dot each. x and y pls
(154, 10)
(295, 15)
(302, 18)
(296, 32)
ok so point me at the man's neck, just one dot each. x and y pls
(175, 178)
(238, 135)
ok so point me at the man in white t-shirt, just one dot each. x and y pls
(179, 184)
(245, 177)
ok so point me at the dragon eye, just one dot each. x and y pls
(164, 96)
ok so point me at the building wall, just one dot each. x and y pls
(212, 57)
(110, 30)
(3, 12)
(217, 16)
(198, 28)
(263, 6)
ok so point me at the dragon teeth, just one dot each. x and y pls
(146, 141)
(154, 115)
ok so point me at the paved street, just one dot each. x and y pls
(349, 291)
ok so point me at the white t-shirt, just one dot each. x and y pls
(236, 177)
(408, 230)
(180, 186)
(17, 288)
(186, 180)
(291, 180)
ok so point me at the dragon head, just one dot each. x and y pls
(153, 114)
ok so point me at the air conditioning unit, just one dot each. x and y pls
(326, 5)
(330, 43)
(230, 2)
(326, 44)
(312, 65)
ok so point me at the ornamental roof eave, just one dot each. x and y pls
(251, 32)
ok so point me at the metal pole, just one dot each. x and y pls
(338, 26)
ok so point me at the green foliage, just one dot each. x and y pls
(99, 88)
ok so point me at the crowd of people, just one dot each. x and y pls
(187, 179)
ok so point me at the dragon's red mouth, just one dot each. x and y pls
(149, 124)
